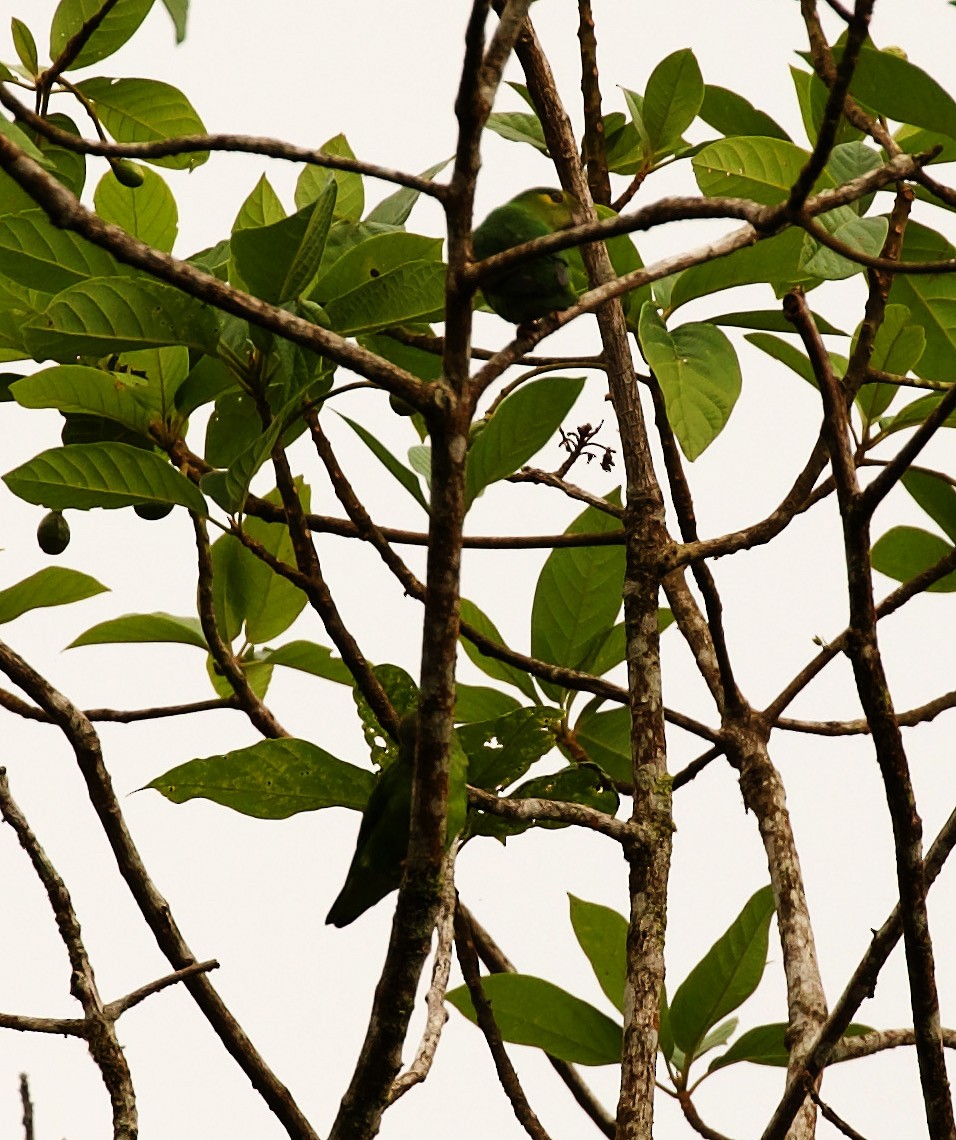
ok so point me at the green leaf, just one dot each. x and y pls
(697, 369)
(178, 10)
(370, 258)
(914, 413)
(136, 628)
(897, 347)
(602, 935)
(78, 388)
(476, 703)
(936, 495)
(114, 314)
(793, 357)
(272, 779)
(262, 207)
(491, 666)
(394, 209)
(148, 211)
(902, 91)
(725, 977)
(606, 738)
(672, 98)
(407, 478)
(145, 110)
(518, 126)
(905, 551)
(110, 475)
(732, 114)
(771, 320)
(25, 46)
(577, 597)
(767, 1045)
(118, 26)
(52, 586)
(308, 657)
(580, 784)
(760, 168)
(531, 1011)
(501, 750)
(522, 424)
(313, 181)
(36, 254)
(279, 261)
(411, 292)
(865, 235)
(777, 261)
(930, 298)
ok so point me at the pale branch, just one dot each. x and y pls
(878, 376)
(155, 909)
(875, 698)
(484, 1015)
(66, 212)
(497, 962)
(419, 1069)
(648, 864)
(449, 420)
(229, 143)
(224, 658)
(99, 1026)
(860, 987)
(866, 1044)
(627, 833)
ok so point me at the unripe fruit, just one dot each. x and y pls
(153, 511)
(53, 533)
(127, 173)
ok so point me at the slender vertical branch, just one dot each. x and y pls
(873, 689)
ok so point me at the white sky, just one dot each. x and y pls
(254, 894)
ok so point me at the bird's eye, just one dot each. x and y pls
(557, 197)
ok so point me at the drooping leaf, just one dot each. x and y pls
(532, 1011)
(602, 934)
(148, 212)
(491, 666)
(905, 551)
(767, 1045)
(930, 298)
(308, 657)
(518, 126)
(732, 114)
(793, 357)
(400, 472)
(902, 91)
(37, 255)
(936, 495)
(725, 977)
(272, 779)
(117, 26)
(697, 369)
(116, 314)
(51, 586)
(522, 424)
(145, 110)
(110, 475)
(577, 597)
(606, 737)
(141, 628)
(78, 388)
(500, 751)
(476, 703)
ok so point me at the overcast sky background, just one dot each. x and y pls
(254, 894)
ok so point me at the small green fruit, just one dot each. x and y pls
(53, 533)
(153, 511)
(399, 406)
(127, 173)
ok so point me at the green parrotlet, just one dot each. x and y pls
(537, 287)
(382, 844)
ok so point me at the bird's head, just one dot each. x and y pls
(554, 207)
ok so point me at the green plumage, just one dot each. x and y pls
(382, 844)
(537, 287)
